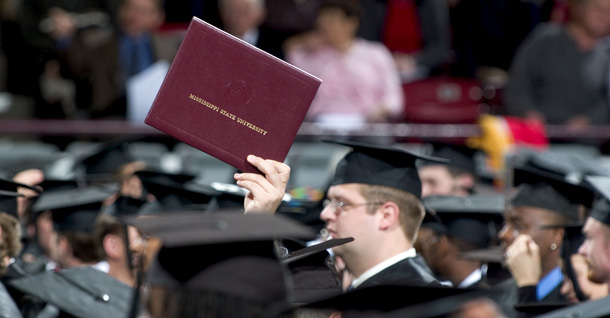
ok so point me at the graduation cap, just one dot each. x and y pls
(175, 191)
(384, 298)
(460, 157)
(540, 189)
(74, 210)
(9, 194)
(595, 308)
(541, 307)
(240, 258)
(80, 291)
(378, 165)
(107, 158)
(311, 273)
(601, 210)
(474, 218)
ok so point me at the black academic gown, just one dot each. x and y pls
(515, 295)
(411, 271)
(8, 308)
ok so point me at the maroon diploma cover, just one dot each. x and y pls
(229, 99)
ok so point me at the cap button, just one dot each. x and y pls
(223, 225)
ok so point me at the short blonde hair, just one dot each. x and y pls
(412, 210)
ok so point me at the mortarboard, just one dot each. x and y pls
(543, 307)
(9, 194)
(81, 292)
(595, 308)
(240, 258)
(74, 210)
(176, 191)
(546, 191)
(107, 158)
(601, 210)
(460, 157)
(474, 218)
(311, 271)
(378, 165)
(384, 298)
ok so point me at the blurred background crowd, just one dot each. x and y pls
(530, 77)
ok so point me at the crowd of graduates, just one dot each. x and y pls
(399, 233)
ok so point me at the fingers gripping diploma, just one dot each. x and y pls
(265, 192)
(523, 261)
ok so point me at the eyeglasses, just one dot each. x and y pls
(340, 205)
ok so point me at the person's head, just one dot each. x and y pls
(137, 17)
(10, 244)
(590, 289)
(454, 178)
(74, 249)
(338, 21)
(596, 247)
(440, 179)
(539, 208)
(110, 239)
(535, 222)
(366, 211)
(374, 197)
(241, 16)
(592, 16)
(596, 250)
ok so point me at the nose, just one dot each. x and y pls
(425, 190)
(327, 213)
(582, 250)
(505, 235)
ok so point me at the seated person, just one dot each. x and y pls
(360, 79)
(102, 62)
(242, 18)
(455, 178)
(559, 73)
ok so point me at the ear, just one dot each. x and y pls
(389, 215)
(112, 246)
(558, 236)
(465, 181)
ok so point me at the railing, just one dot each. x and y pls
(403, 130)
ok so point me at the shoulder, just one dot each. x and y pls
(547, 32)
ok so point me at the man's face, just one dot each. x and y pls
(335, 27)
(596, 250)
(351, 220)
(595, 17)
(240, 16)
(528, 220)
(139, 16)
(436, 180)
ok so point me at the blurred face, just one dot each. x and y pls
(529, 221)
(596, 250)
(239, 16)
(428, 244)
(351, 220)
(594, 15)
(436, 180)
(45, 232)
(335, 27)
(591, 290)
(139, 16)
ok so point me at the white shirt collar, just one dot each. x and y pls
(251, 36)
(383, 265)
(474, 277)
(102, 266)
